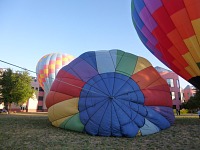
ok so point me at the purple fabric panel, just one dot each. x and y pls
(149, 36)
(167, 112)
(148, 19)
(154, 50)
(153, 5)
(80, 69)
(84, 70)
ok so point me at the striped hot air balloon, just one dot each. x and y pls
(48, 67)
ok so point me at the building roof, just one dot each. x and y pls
(160, 69)
(189, 87)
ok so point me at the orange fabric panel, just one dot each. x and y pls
(193, 7)
(55, 97)
(173, 51)
(183, 24)
(184, 74)
(145, 77)
(176, 39)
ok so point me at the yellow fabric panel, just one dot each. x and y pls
(196, 27)
(190, 71)
(63, 109)
(58, 62)
(193, 47)
(52, 66)
(59, 121)
(141, 64)
(189, 59)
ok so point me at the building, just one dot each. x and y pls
(188, 92)
(173, 82)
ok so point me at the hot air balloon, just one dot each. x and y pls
(110, 93)
(170, 29)
(48, 66)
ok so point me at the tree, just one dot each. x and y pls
(15, 87)
(194, 102)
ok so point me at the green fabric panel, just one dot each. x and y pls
(73, 123)
(119, 57)
(126, 63)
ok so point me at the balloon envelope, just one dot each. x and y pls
(48, 67)
(170, 29)
(110, 93)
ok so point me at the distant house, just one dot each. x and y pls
(188, 91)
(173, 82)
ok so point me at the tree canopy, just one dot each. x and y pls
(15, 87)
(193, 102)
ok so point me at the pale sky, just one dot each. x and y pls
(30, 29)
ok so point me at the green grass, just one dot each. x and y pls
(34, 131)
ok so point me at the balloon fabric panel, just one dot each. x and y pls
(111, 95)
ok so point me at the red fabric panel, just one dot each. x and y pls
(160, 85)
(162, 38)
(193, 7)
(157, 98)
(64, 87)
(163, 19)
(67, 84)
(55, 97)
(172, 6)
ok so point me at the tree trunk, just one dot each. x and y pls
(9, 108)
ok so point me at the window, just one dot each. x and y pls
(188, 95)
(170, 82)
(39, 107)
(173, 95)
(40, 89)
(36, 88)
(179, 95)
(40, 98)
(178, 84)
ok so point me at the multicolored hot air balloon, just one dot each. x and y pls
(48, 66)
(170, 29)
(110, 93)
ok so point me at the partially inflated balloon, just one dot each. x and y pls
(48, 67)
(110, 93)
(170, 29)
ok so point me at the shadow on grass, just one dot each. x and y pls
(34, 131)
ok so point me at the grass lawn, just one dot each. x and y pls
(34, 131)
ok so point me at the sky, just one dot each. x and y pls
(30, 29)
